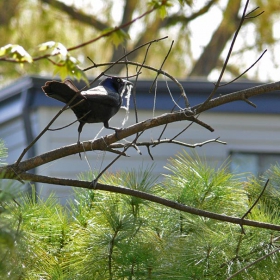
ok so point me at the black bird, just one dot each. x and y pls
(95, 105)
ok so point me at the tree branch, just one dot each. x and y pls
(172, 20)
(104, 142)
(235, 96)
(257, 200)
(76, 15)
(149, 197)
(177, 18)
(168, 141)
(253, 263)
(108, 33)
(142, 65)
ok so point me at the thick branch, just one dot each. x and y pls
(241, 95)
(149, 197)
(76, 15)
(184, 20)
(105, 142)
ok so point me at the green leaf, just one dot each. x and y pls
(15, 52)
(162, 11)
(66, 65)
(117, 37)
(69, 68)
(54, 48)
(161, 6)
(4, 50)
(46, 46)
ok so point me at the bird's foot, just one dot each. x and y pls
(79, 143)
(117, 130)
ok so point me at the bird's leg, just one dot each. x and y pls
(80, 128)
(106, 125)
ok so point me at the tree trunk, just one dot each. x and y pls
(211, 54)
(119, 50)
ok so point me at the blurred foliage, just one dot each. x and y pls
(103, 235)
(3, 152)
(26, 24)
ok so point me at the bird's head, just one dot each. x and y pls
(115, 83)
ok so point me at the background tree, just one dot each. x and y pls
(195, 238)
(80, 21)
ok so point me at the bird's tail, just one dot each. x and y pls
(63, 92)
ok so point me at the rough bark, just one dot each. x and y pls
(8, 10)
(210, 57)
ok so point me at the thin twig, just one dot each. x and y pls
(168, 141)
(66, 105)
(253, 263)
(118, 60)
(136, 80)
(123, 77)
(59, 128)
(174, 137)
(253, 205)
(108, 33)
(249, 102)
(164, 60)
(144, 66)
(228, 55)
(149, 152)
(245, 70)
(62, 127)
(94, 182)
(257, 200)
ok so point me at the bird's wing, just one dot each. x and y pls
(102, 96)
(70, 84)
(63, 92)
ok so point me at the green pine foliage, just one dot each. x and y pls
(103, 235)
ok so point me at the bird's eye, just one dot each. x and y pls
(118, 80)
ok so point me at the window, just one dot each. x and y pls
(255, 163)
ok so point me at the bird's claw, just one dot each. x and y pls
(117, 130)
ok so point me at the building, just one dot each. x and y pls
(252, 135)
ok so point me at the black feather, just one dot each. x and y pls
(95, 105)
